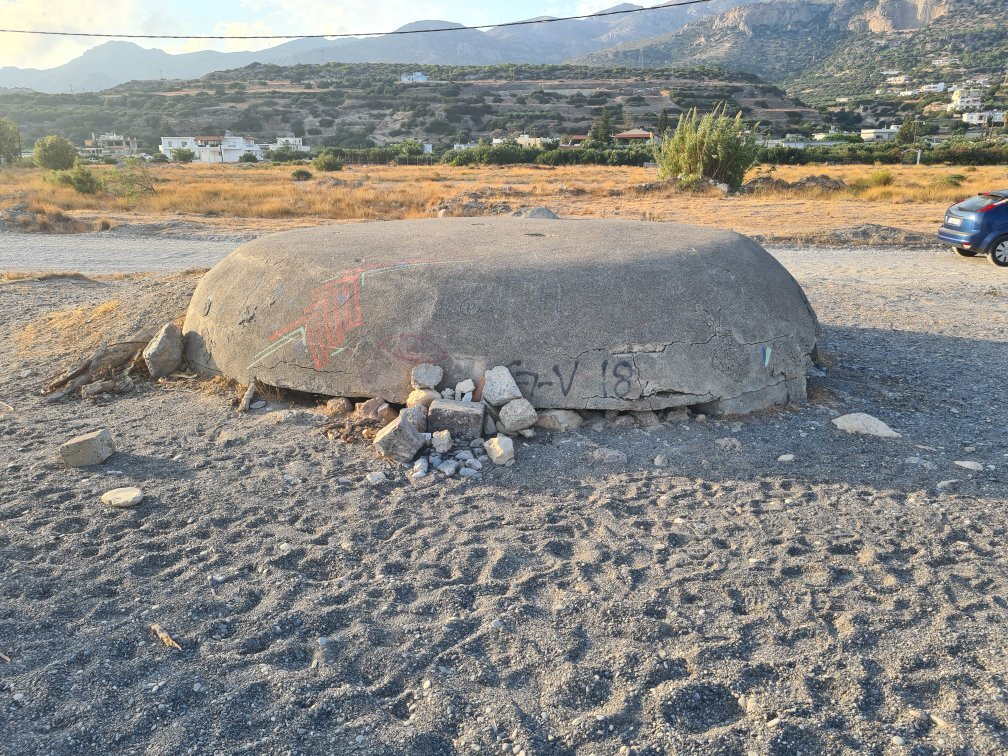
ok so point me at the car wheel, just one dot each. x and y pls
(999, 253)
(964, 252)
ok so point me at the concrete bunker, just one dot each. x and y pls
(586, 314)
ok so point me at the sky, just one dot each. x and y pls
(239, 17)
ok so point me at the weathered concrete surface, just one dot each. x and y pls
(586, 313)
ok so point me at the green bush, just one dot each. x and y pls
(714, 146)
(880, 177)
(159, 157)
(300, 174)
(248, 157)
(183, 155)
(55, 153)
(79, 178)
(284, 155)
(327, 160)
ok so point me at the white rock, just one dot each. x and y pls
(969, 464)
(441, 441)
(123, 497)
(943, 484)
(376, 478)
(864, 424)
(163, 354)
(661, 460)
(426, 376)
(729, 444)
(559, 420)
(422, 397)
(500, 449)
(465, 387)
(516, 415)
(499, 387)
(786, 458)
(88, 450)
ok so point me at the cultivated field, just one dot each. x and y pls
(264, 197)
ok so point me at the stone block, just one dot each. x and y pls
(464, 420)
(88, 450)
(163, 355)
(516, 415)
(499, 449)
(399, 440)
(499, 387)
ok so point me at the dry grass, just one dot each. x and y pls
(79, 328)
(910, 197)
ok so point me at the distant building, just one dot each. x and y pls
(576, 140)
(890, 72)
(896, 80)
(880, 135)
(287, 142)
(465, 146)
(530, 141)
(635, 136)
(417, 77)
(213, 149)
(966, 99)
(940, 87)
(109, 145)
(984, 118)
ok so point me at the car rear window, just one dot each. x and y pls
(982, 200)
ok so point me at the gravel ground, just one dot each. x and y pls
(108, 252)
(723, 602)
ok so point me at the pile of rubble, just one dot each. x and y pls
(111, 367)
(763, 184)
(456, 431)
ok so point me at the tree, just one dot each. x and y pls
(716, 147)
(410, 148)
(55, 153)
(663, 122)
(10, 141)
(183, 155)
(601, 129)
(907, 133)
(248, 157)
(80, 179)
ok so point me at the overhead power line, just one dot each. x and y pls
(479, 27)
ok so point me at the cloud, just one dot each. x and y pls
(30, 51)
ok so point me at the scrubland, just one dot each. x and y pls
(908, 197)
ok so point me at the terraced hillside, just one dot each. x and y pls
(363, 104)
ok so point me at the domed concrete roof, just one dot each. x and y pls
(597, 314)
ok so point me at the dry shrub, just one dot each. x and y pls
(79, 327)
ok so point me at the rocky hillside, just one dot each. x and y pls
(365, 104)
(827, 48)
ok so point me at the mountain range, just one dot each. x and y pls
(113, 63)
(818, 49)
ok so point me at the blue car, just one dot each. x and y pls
(979, 226)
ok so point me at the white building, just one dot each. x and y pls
(213, 149)
(417, 77)
(287, 142)
(984, 117)
(109, 145)
(465, 146)
(529, 141)
(940, 87)
(966, 99)
(880, 135)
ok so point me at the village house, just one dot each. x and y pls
(966, 99)
(417, 77)
(880, 135)
(287, 142)
(109, 145)
(984, 118)
(635, 135)
(530, 141)
(213, 149)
